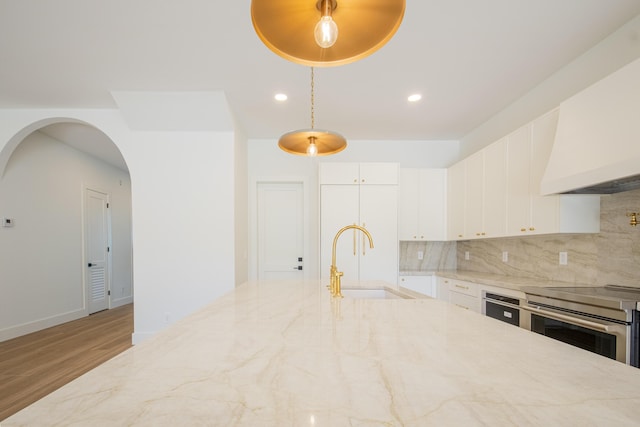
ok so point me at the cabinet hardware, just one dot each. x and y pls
(364, 248)
(466, 288)
(523, 229)
(532, 228)
(354, 240)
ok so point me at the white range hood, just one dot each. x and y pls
(597, 144)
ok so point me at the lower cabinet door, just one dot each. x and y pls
(421, 284)
(465, 301)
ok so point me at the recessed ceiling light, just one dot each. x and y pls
(280, 97)
(414, 98)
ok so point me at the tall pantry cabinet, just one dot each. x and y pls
(364, 194)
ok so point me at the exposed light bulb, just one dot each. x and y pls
(326, 32)
(312, 149)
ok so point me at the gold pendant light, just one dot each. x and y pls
(312, 142)
(326, 32)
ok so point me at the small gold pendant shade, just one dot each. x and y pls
(312, 142)
(302, 142)
(349, 29)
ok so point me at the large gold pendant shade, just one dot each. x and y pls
(287, 28)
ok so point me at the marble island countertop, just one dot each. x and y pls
(287, 354)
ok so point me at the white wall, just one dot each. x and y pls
(183, 224)
(241, 181)
(617, 50)
(182, 195)
(41, 257)
(267, 162)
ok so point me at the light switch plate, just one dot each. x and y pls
(420, 255)
(505, 256)
(466, 255)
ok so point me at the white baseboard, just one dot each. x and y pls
(121, 301)
(40, 324)
(138, 337)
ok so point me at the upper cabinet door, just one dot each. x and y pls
(422, 204)
(495, 189)
(358, 173)
(474, 195)
(518, 173)
(408, 204)
(339, 173)
(432, 204)
(456, 201)
(379, 173)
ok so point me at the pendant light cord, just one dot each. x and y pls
(312, 101)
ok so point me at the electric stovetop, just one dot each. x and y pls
(611, 296)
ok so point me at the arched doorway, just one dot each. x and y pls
(46, 172)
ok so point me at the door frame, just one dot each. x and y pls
(253, 221)
(86, 281)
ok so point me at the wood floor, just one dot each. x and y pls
(34, 365)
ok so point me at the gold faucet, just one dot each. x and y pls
(335, 286)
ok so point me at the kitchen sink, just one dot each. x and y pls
(361, 293)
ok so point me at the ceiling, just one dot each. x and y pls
(468, 58)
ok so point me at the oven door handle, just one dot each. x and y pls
(569, 319)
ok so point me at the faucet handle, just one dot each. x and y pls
(337, 291)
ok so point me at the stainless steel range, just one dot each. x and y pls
(604, 320)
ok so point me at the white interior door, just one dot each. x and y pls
(280, 230)
(97, 250)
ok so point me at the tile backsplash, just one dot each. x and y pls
(609, 257)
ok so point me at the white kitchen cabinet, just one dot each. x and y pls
(422, 284)
(465, 294)
(474, 196)
(483, 211)
(442, 288)
(495, 190)
(528, 212)
(422, 204)
(456, 201)
(372, 206)
(518, 188)
(358, 173)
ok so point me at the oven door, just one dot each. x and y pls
(504, 308)
(609, 338)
